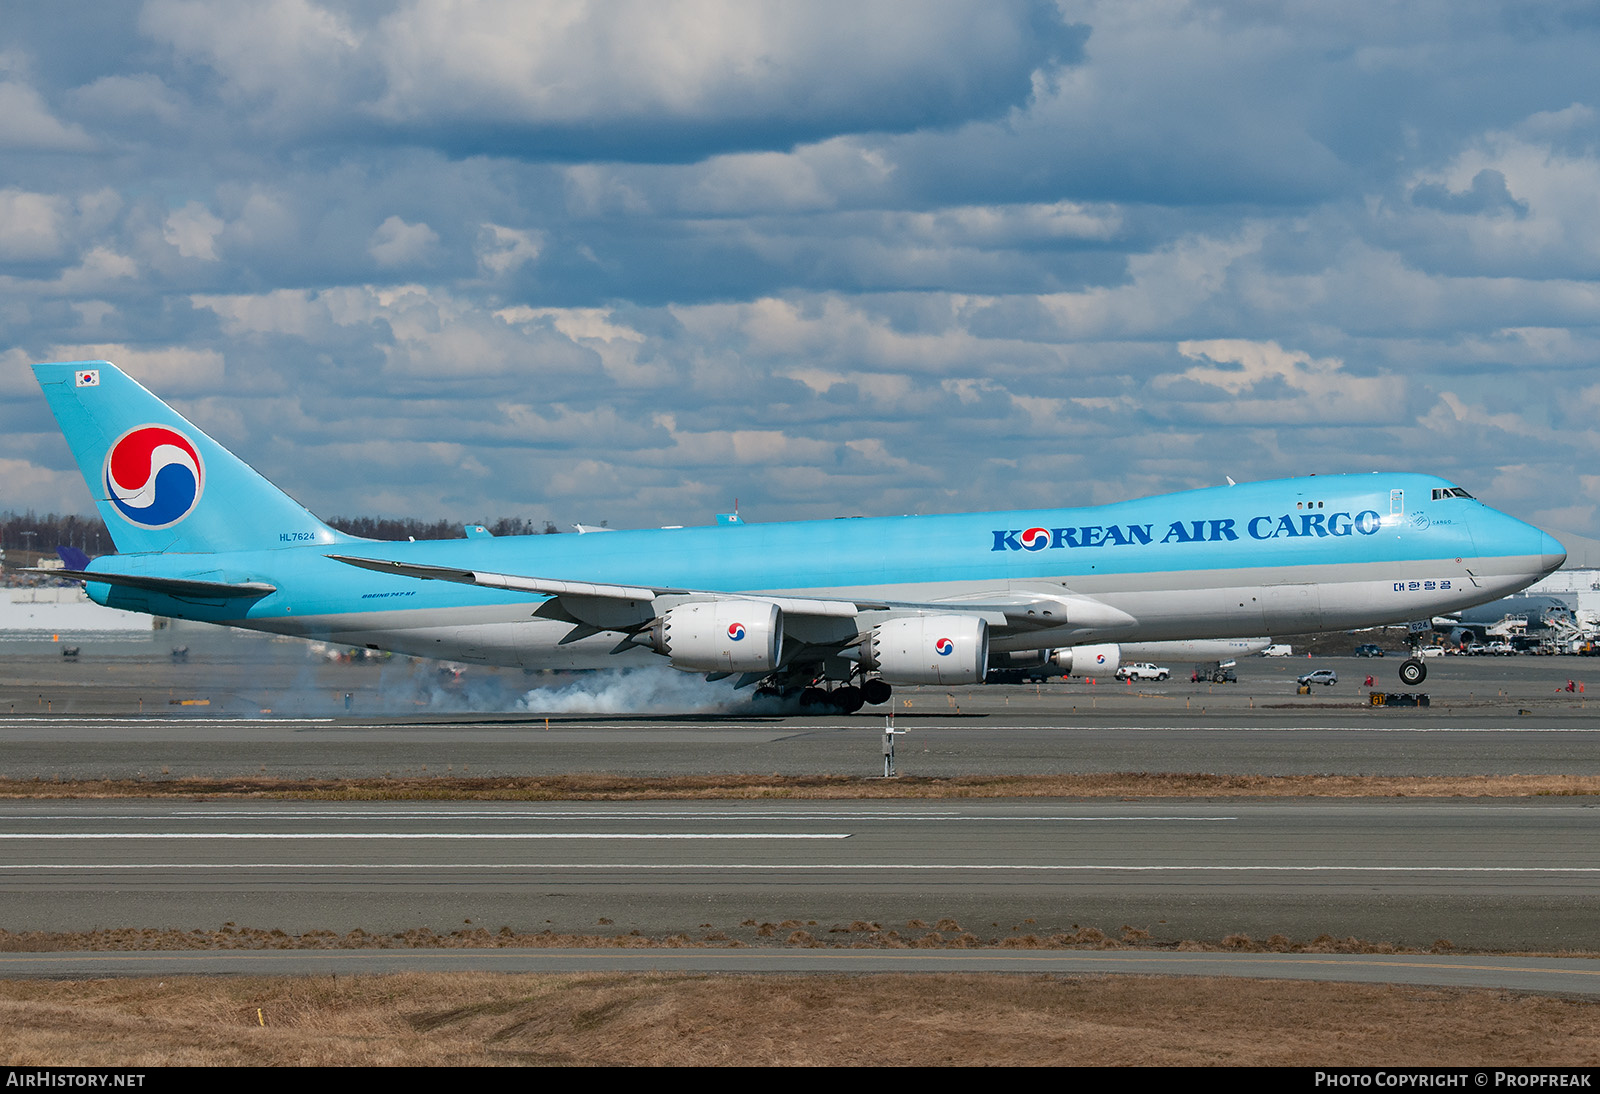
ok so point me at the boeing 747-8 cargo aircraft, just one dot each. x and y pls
(852, 606)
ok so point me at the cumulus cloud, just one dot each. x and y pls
(193, 230)
(285, 55)
(1453, 415)
(30, 225)
(502, 250)
(1487, 194)
(101, 269)
(144, 95)
(27, 123)
(29, 486)
(177, 369)
(637, 79)
(1516, 201)
(586, 262)
(1263, 382)
(396, 243)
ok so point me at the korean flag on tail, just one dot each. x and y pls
(87, 377)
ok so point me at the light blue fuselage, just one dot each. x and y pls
(202, 535)
(1288, 556)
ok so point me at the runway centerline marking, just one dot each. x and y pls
(757, 866)
(94, 721)
(422, 835)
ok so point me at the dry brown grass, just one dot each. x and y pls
(734, 787)
(947, 935)
(674, 1019)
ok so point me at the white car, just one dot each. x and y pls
(1432, 651)
(1143, 670)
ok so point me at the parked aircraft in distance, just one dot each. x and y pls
(841, 610)
(1102, 658)
(1196, 649)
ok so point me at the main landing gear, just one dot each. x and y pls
(876, 691)
(845, 699)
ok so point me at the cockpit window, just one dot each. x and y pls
(1441, 492)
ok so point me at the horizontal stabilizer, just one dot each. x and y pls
(171, 586)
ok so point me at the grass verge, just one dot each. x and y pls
(944, 934)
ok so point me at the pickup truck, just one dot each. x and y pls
(1143, 670)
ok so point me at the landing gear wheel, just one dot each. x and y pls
(1413, 672)
(811, 698)
(876, 691)
(848, 699)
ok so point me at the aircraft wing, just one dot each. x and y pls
(1023, 609)
(586, 589)
(1045, 608)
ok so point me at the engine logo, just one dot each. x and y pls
(736, 631)
(944, 647)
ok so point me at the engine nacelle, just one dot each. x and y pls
(1020, 659)
(1101, 660)
(929, 649)
(721, 636)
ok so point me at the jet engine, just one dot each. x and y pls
(928, 649)
(1021, 659)
(720, 636)
(1088, 660)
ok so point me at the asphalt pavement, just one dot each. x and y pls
(1494, 875)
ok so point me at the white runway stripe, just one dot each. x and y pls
(420, 835)
(799, 867)
(59, 721)
(800, 817)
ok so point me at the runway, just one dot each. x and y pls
(254, 708)
(1482, 874)
(1494, 875)
(1543, 975)
(978, 743)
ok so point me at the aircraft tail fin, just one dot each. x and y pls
(159, 483)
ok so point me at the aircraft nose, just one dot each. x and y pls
(1551, 553)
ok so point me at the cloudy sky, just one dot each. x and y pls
(629, 261)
